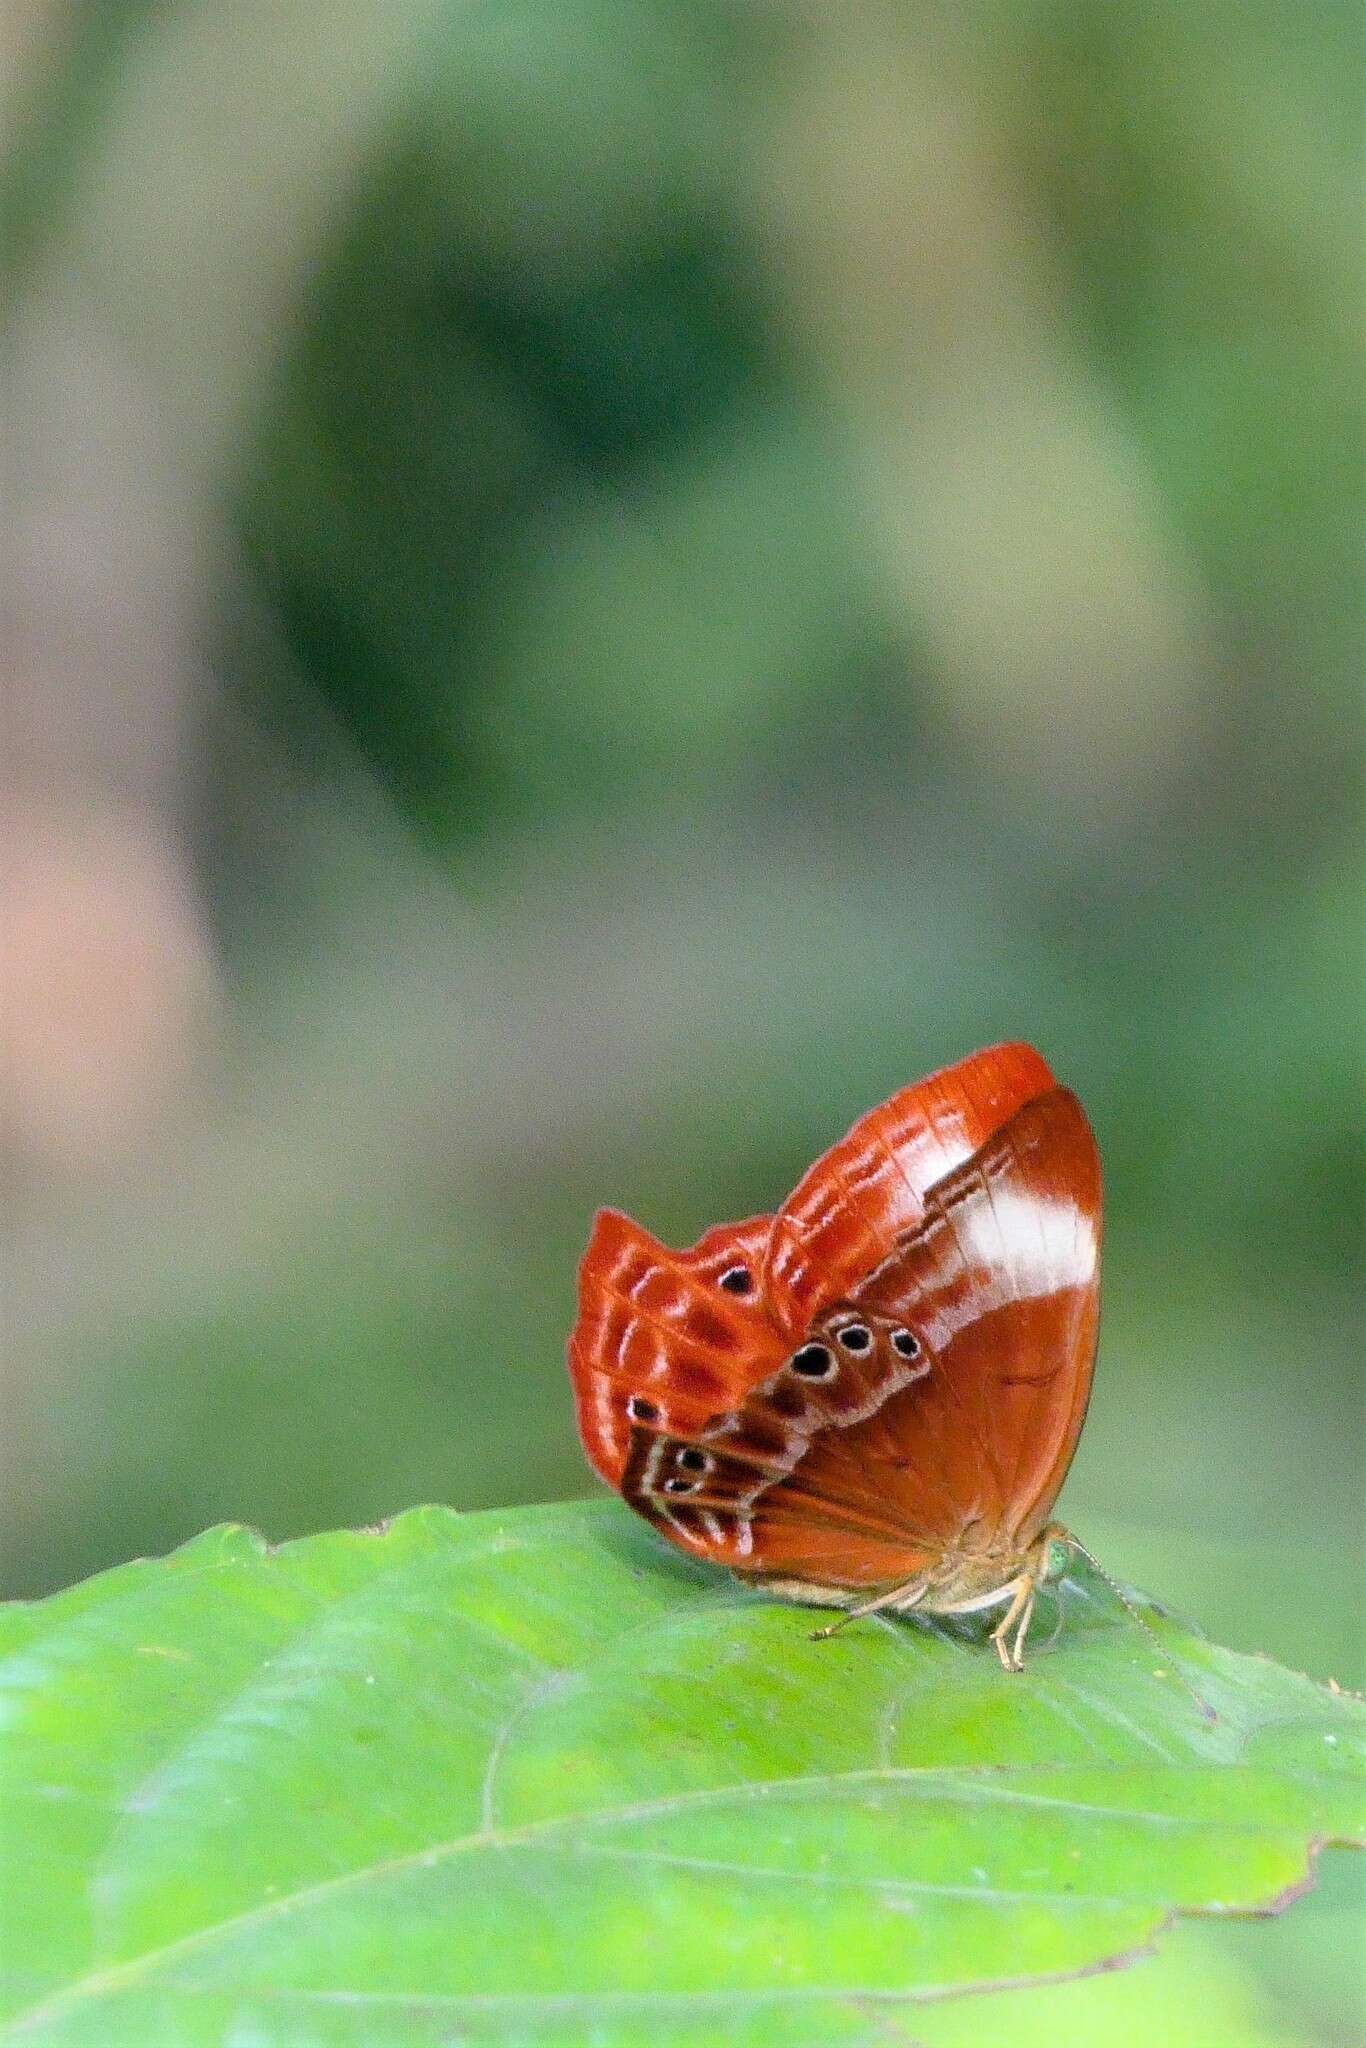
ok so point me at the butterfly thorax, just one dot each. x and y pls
(956, 1584)
(966, 1579)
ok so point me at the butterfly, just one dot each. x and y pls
(870, 1399)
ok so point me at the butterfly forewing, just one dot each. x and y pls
(862, 1196)
(1001, 1285)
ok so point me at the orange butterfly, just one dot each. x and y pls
(869, 1400)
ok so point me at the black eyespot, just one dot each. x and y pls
(736, 1280)
(641, 1410)
(813, 1362)
(904, 1343)
(680, 1486)
(854, 1336)
(692, 1460)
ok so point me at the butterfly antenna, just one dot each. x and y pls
(1133, 1612)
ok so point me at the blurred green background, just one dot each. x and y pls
(598, 586)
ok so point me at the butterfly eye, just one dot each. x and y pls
(813, 1362)
(641, 1410)
(855, 1337)
(692, 1460)
(736, 1280)
(904, 1344)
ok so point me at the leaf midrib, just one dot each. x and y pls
(975, 1780)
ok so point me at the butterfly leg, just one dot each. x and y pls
(1017, 1616)
(900, 1595)
(1044, 1564)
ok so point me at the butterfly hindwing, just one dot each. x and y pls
(663, 1340)
(702, 1487)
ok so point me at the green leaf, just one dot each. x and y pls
(528, 1777)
